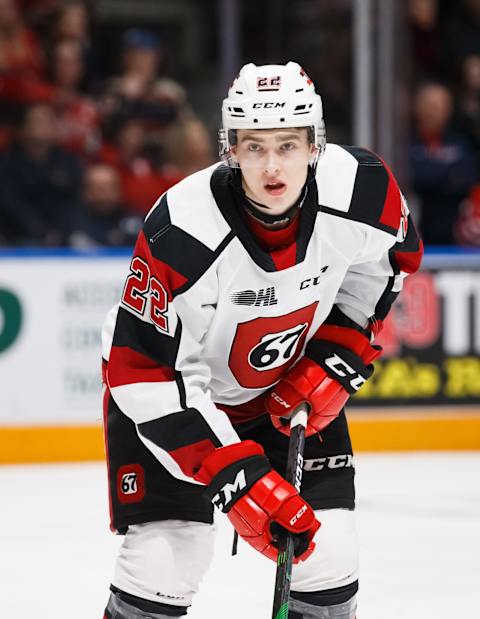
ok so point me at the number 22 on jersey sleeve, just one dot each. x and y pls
(139, 286)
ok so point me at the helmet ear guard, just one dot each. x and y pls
(271, 97)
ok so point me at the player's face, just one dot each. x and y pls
(274, 165)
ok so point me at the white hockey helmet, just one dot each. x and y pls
(271, 97)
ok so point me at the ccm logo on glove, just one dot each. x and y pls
(258, 501)
(230, 490)
(336, 363)
(299, 514)
(280, 400)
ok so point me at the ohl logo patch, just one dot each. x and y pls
(264, 297)
(130, 483)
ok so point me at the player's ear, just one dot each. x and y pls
(233, 152)
(313, 154)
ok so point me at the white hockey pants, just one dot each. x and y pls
(165, 561)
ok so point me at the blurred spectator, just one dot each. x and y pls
(321, 34)
(141, 183)
(188, 148)
(467, 229)
(423, 20)
(139, 93)
(71, 22)
(21, 59)
(78, 123)
(37, 10)
(443, 165)
(103, 220)
(468, 112)
(40, 183)
(462, 33)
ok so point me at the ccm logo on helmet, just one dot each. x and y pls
(268, 105)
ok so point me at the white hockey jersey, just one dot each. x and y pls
(209, 320)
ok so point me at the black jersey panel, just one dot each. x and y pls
(370, 190)
(178, 249)
(338, 319)
(181, 429)
(144, 338)
(363, 220)
(408, 255)
(158, 221)
(165, 497)
(363, 156)
(388, 297)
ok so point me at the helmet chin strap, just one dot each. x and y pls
(266, 218)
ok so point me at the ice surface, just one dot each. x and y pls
(418, 517)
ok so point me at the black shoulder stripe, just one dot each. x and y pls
(369, 191)
(158, 221)
(178, 430)
(185, 254)
(361, 219)
(173, 246)
(198, 272)
(144, 338)
(178, 249)
(363, 156)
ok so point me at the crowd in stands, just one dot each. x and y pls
(445, 141)
(83, 156)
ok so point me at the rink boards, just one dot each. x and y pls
(377, 431)
(425, 393)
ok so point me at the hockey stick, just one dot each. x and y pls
(285, 546)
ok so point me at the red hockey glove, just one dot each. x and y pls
(242, 483)
(325, 383)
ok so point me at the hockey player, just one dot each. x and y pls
(255, 285)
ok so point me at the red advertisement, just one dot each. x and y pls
(431, 342)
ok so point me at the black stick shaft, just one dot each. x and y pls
(285, 547)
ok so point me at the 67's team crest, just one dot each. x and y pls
(130, 483)
(263, 348)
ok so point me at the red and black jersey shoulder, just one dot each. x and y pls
(178, 255)
(375, 198)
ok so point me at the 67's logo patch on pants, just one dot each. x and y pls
(130, 483)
